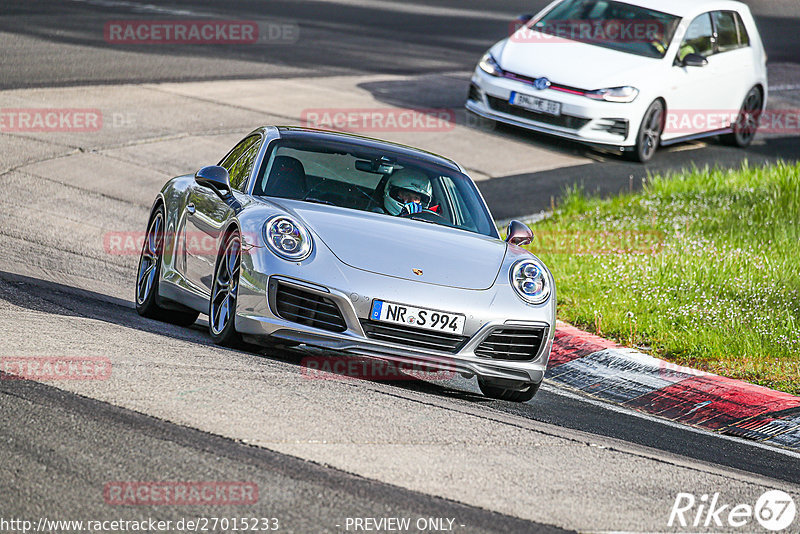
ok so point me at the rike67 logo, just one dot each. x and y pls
(775, 511)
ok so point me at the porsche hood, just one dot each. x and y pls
(403, 248)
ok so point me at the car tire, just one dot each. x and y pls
(514, 395)
(648, 138)
(224, 293)
(148, 273)
(744, 130)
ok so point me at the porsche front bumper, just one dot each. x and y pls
(352, 337)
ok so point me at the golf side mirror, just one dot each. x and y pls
(694, 60)
(524, 18)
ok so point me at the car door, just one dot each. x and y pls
(206, 214)
(693, 92)
(733, 60)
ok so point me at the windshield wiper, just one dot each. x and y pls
(315, 200)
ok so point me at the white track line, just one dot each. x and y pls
(779, 88)
(142, 8)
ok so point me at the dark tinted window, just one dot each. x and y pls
(698, 38)
(727, 35)
(240, 161)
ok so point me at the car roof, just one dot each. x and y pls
(688, 8)
(296, 132)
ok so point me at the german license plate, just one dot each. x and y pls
(534, 103)
(439, 321)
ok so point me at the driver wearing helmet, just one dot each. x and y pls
(407, 191)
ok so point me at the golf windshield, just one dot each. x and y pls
(375, 180)
(616, 25)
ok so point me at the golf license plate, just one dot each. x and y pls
(439, 321)
(534, 103)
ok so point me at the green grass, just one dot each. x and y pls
(701, 268)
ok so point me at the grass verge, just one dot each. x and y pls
(700, 268)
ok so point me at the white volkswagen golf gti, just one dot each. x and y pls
(628, 76)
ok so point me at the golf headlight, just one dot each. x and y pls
(530, 281)
(614, 94)
(489, 65)
(287, 239)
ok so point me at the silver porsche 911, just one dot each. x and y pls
(351, 244)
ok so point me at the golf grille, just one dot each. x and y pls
(565, 121)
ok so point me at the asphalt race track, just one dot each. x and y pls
(52, 43)
(321, 452)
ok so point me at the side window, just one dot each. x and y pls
(239, 162)
(725, 26)
(463, 204)
(237, 151)
(243, 167)
(744, 39)
(698, 38)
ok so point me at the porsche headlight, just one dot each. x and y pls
(287, 239)
(614, 94)
(489, 65)
(530, 281)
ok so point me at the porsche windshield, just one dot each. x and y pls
(616, 25)
(373, 180)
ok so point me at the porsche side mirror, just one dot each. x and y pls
(694, 60)
(518, 233)
(214, 177)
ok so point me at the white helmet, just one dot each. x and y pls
(410, 180)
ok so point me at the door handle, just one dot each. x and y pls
(190, 207)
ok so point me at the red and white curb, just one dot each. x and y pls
(624, 376)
